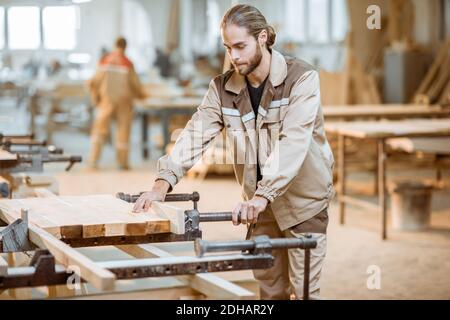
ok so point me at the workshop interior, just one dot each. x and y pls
(225, 149)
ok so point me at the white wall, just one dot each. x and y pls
(158, 10)
(100, 26)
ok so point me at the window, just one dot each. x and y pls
(318, 21)
(60, 27)
(295, 22)
(23, 28)
(2, 27)
(339, 19)
(315, 21)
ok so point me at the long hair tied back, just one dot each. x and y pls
(246, 16)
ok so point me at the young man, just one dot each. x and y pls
(113, 88)
(270, 107)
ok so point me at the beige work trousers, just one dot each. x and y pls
(285, 279)
(122, 113)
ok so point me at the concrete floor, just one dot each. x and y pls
(413, 265)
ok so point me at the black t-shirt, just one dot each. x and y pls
(256, 95)
(255, 98)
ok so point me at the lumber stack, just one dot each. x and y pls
(435, 87)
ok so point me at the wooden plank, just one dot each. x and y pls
(174, 214)
(86, 216)
(3, 266)
(170, 292)
(426, 145)
(208, 284)
(437, 64)
(44, 193)
(444, 99)
(383, 111)
(102, 279)
(7, 156)
(391, 129)
(440, 81)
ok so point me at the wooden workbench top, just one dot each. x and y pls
(391, 129)
(384, 110)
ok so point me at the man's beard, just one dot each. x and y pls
(253, 63)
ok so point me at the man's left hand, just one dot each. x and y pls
(249, 210)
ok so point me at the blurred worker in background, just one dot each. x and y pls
(113, 88)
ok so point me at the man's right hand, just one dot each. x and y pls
(158, 193)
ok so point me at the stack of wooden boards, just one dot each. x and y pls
(86, 216)
(101, 215)
(435, 87)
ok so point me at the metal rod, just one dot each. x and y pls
(41, 150)
(23, 142)
(46, 158)
(16, 136)
(261, 242)
(135, 269)
(215, 216)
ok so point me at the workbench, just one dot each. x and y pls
(51, 227)
(380, 132)
(21, 157)
(164, 109)
(52, 222)
(384, 111)
(53, 92)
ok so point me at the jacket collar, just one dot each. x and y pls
(277, 74)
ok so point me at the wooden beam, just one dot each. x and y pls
(102, 279)
(3, 266)
(434, 69)
(208, 284)
(44, 193)
(7, 156)
(174, 214)
(170, 292)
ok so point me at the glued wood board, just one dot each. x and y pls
(86, 216)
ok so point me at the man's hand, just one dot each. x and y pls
(158, 193)
(249, 210)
